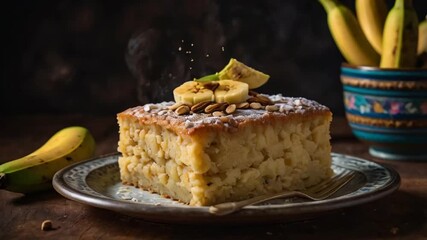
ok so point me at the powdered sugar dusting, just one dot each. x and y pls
(286, 106)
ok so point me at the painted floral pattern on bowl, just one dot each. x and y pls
(365, 104)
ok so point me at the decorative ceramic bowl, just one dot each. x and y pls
(387, 108)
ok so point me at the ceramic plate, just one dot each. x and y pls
(97, 183)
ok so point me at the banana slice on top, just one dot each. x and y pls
(192, 92)
(231, 91)
(238, 71)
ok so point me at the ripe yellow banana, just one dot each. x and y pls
(348, 35)
(371, 15)
(422, 37)
(192, 92)
(238, 71)
(34, 172)
(400, 36)
(422, 44)
(231, 91)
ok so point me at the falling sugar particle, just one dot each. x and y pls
(192, 44)
(179, 49)
(182, 40)
(222, 48)
(190, 68)
(207, 55)
(191, 60)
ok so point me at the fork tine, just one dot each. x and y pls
(334, 186)
(326, 183)
(318, 192)
(335, 181)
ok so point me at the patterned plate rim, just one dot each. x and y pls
(384, 185)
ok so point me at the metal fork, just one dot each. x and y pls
(320, 191)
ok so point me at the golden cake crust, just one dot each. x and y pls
(195, 123)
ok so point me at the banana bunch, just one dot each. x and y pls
(377, 37)
(35, 171)
(230, 85)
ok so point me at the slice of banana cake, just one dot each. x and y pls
(212, 151)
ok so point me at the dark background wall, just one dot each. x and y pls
(102, 56)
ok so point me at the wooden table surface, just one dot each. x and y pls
(401, 215)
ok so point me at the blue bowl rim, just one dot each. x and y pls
(371, 68)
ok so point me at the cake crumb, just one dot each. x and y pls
(147, 108)
(46, 225)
